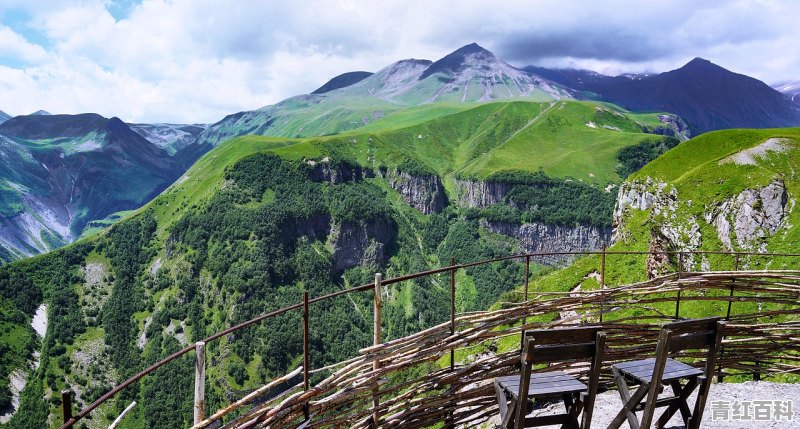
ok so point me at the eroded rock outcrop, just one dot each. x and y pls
(423, 192)
(336, 173)
(359, 243)
(750, 217)
(480, 194)
(538, 237)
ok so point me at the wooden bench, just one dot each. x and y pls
(547, 346)
(652, 374)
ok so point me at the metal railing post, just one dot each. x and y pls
(376, 341)
(680, 272)
(452, 309)
(602, 281)
(452, 326)
(66, 405)
(305, 341)
(525, 296)
(200, 382)
(730, 301)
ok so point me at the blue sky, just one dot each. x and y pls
(199, 60)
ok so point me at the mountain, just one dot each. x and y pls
(707, 96)
(259, 219)
(468, 75)
(62, 171)
(790, 88)
(40, 113)
(730, 190)
(170, 137)
(341, 81)
(4, 116)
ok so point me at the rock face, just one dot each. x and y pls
(752, 215)
(473, 193)
(742, 222)
(424, 193)
(538, 237)
(324, 171)
(359, 244)
(673, 127)
(644, 195)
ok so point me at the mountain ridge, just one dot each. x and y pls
(705, 95)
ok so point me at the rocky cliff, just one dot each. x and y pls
(538, 237)
(480, 194)
(751, 216)
(359, 243)
(423, 192)
(336, 173)
(743, 222)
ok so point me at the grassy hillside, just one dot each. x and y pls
(696, 180)
(258, 220)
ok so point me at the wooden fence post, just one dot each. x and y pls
(66, 405)
(200, 382)
(376, 341)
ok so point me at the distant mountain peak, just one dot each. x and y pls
(702, 65)
(40, 113)
(456, 60)
(472, 48)
(343, 80)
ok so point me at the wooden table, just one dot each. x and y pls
(557, 384)
(641, 372)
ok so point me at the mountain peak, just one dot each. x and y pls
(343, 80)
(40, 113)
(455, 61)
(701, 64)
(472, 48)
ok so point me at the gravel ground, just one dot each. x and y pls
(609, 403)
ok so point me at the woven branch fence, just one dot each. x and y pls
(407, 383)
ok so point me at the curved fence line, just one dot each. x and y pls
(70, 420)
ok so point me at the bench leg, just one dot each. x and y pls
(629, 405)
(573, 409)
(625, 395)
(682, 394)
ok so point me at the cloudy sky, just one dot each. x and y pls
(198, 60)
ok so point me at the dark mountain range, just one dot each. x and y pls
(707, 96)
(341, 81)
(62, 171)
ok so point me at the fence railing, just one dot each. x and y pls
(375, 409)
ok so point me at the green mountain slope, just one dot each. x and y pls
(258, 220)
(733, 190)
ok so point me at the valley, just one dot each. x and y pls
(138, 239)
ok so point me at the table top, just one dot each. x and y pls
(642, 370)
(544, 383)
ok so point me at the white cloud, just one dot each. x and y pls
(198, 60)
(16, 48)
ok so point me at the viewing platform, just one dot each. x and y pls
(443, 375)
